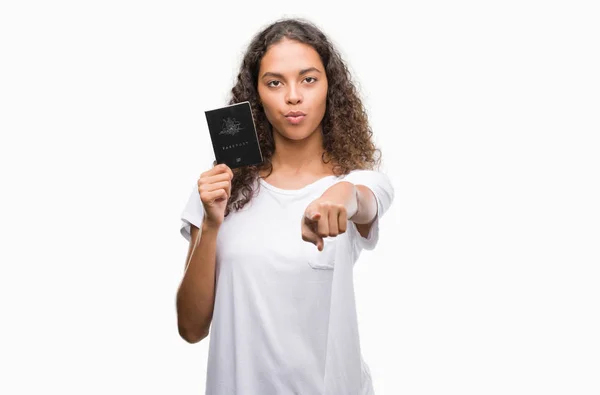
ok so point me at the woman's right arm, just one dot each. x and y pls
(196, 294)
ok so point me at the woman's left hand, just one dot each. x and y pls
(323, 218)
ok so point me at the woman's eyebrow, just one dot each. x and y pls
(278, 75)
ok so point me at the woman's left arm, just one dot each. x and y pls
(359, 201)
(363, 196)
(327, 215)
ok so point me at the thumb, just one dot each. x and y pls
(313, 216)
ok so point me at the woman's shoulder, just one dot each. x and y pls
(373, 178)
(364, 173)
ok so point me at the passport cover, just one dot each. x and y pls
(233, 135)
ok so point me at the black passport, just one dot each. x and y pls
(233, 135)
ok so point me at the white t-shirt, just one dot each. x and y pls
(284, 320)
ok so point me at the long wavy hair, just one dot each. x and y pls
(347, 136)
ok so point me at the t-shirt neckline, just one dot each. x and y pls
(294, 191)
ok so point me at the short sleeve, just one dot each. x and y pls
(381, 186)
(192, 214)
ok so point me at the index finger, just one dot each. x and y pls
(229, 171)
(225, 168)
(222, 168)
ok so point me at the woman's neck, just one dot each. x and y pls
(297, 157)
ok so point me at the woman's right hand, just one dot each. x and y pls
(214, 187)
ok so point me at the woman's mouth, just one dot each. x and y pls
(295, 120)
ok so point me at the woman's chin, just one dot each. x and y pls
(295, 134)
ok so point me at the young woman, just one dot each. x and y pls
(269, 265)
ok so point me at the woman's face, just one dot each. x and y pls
(292, 78)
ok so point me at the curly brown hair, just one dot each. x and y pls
(346, 131)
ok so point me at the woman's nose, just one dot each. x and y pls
(293, 95)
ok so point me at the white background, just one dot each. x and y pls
(486, 276)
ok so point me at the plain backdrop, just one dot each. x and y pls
(485, 279)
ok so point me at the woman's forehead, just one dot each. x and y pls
(290, 57)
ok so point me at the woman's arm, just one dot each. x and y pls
(359, 202)
(328, 215)
(196, 294)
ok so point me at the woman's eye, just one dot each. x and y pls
(275, 83)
